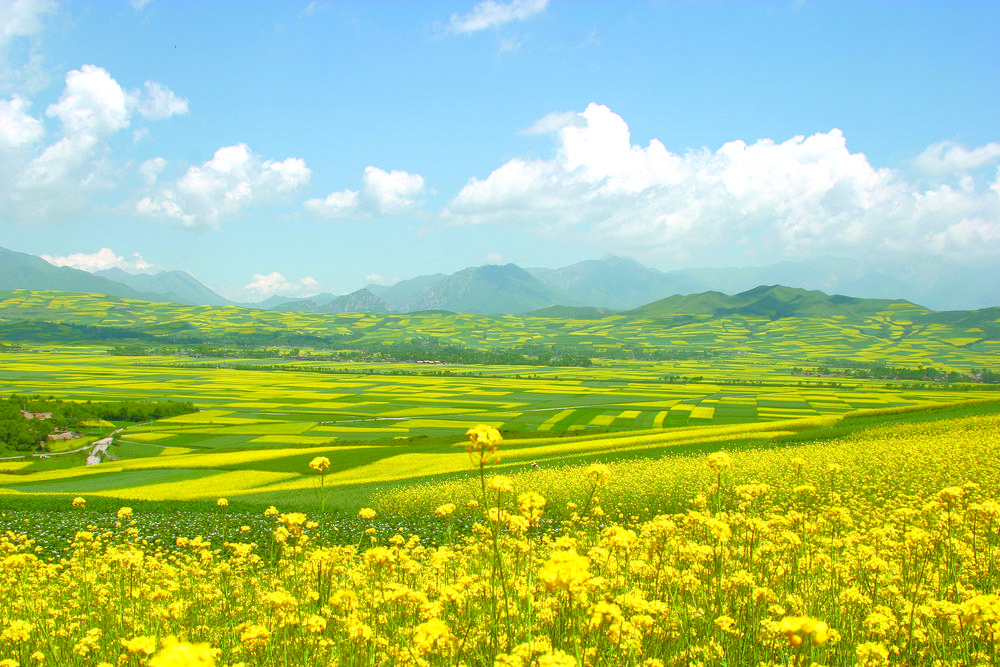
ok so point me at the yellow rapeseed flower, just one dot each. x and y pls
(319, 464)
(432, 636)
(799, 628)
(252, 635)
(183, 654)
(871, 654)
(719, 461)
(445, 510)
(500, 483)
(598, 473)
(17, 633)
(484, 438)
(143, 644)
(124, 512)
(565, 570)
(366, 513)
(222, 502)
(79, 502)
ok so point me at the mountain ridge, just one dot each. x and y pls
(610, 283)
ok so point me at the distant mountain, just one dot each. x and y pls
(774, 302)
(611, 283)
(615, 282)
(406, 290)
(361, 301)
(173, 286)
(484, 289)
(20, 270)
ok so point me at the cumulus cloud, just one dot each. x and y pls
(17, 127)
(383, 193)
(92, 103)
(265, 285)
(105, 258)
(948, 157)
(159, 102)
(222, 188)
(791, 198)
(39, 182)
(20, 18)
(492, 14)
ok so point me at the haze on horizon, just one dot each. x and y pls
(301, 147)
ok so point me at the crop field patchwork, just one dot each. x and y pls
(679, 489)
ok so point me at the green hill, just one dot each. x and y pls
(776, 302)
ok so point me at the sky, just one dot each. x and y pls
(296, 147)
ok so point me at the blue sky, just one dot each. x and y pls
(298, 147)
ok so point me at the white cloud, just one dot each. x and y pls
(159, 102)
(139, 5)
(59, 179)
(555, 121)
(222, 188)
(948, 157)
(103, 259)
(793, 198)
(17, 127)
(491, 14)
(20, 18)
(343, 204)
(92, 104)
(377, 279)
(391, 192)
(383, 193)
(265, 285)
(150, 169)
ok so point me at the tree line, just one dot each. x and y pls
(19, 432)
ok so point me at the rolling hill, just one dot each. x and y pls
(776, 302)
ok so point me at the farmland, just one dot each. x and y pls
(715, 490)
(264, 409)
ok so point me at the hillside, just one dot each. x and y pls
(783, 323)
(362, 301)
(20, 270)
(483, 290)
(777, 302)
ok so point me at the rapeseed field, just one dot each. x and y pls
(881, 547)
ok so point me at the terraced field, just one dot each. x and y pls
(654, 383)
(257, 429)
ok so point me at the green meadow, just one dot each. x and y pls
(651, 386)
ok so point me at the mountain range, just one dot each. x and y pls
(587, 288)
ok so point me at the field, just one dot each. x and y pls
(256, 428)
(741, 504)
(874, 547)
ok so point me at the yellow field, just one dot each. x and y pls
(876, 548)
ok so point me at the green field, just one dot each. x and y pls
(264, 412)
